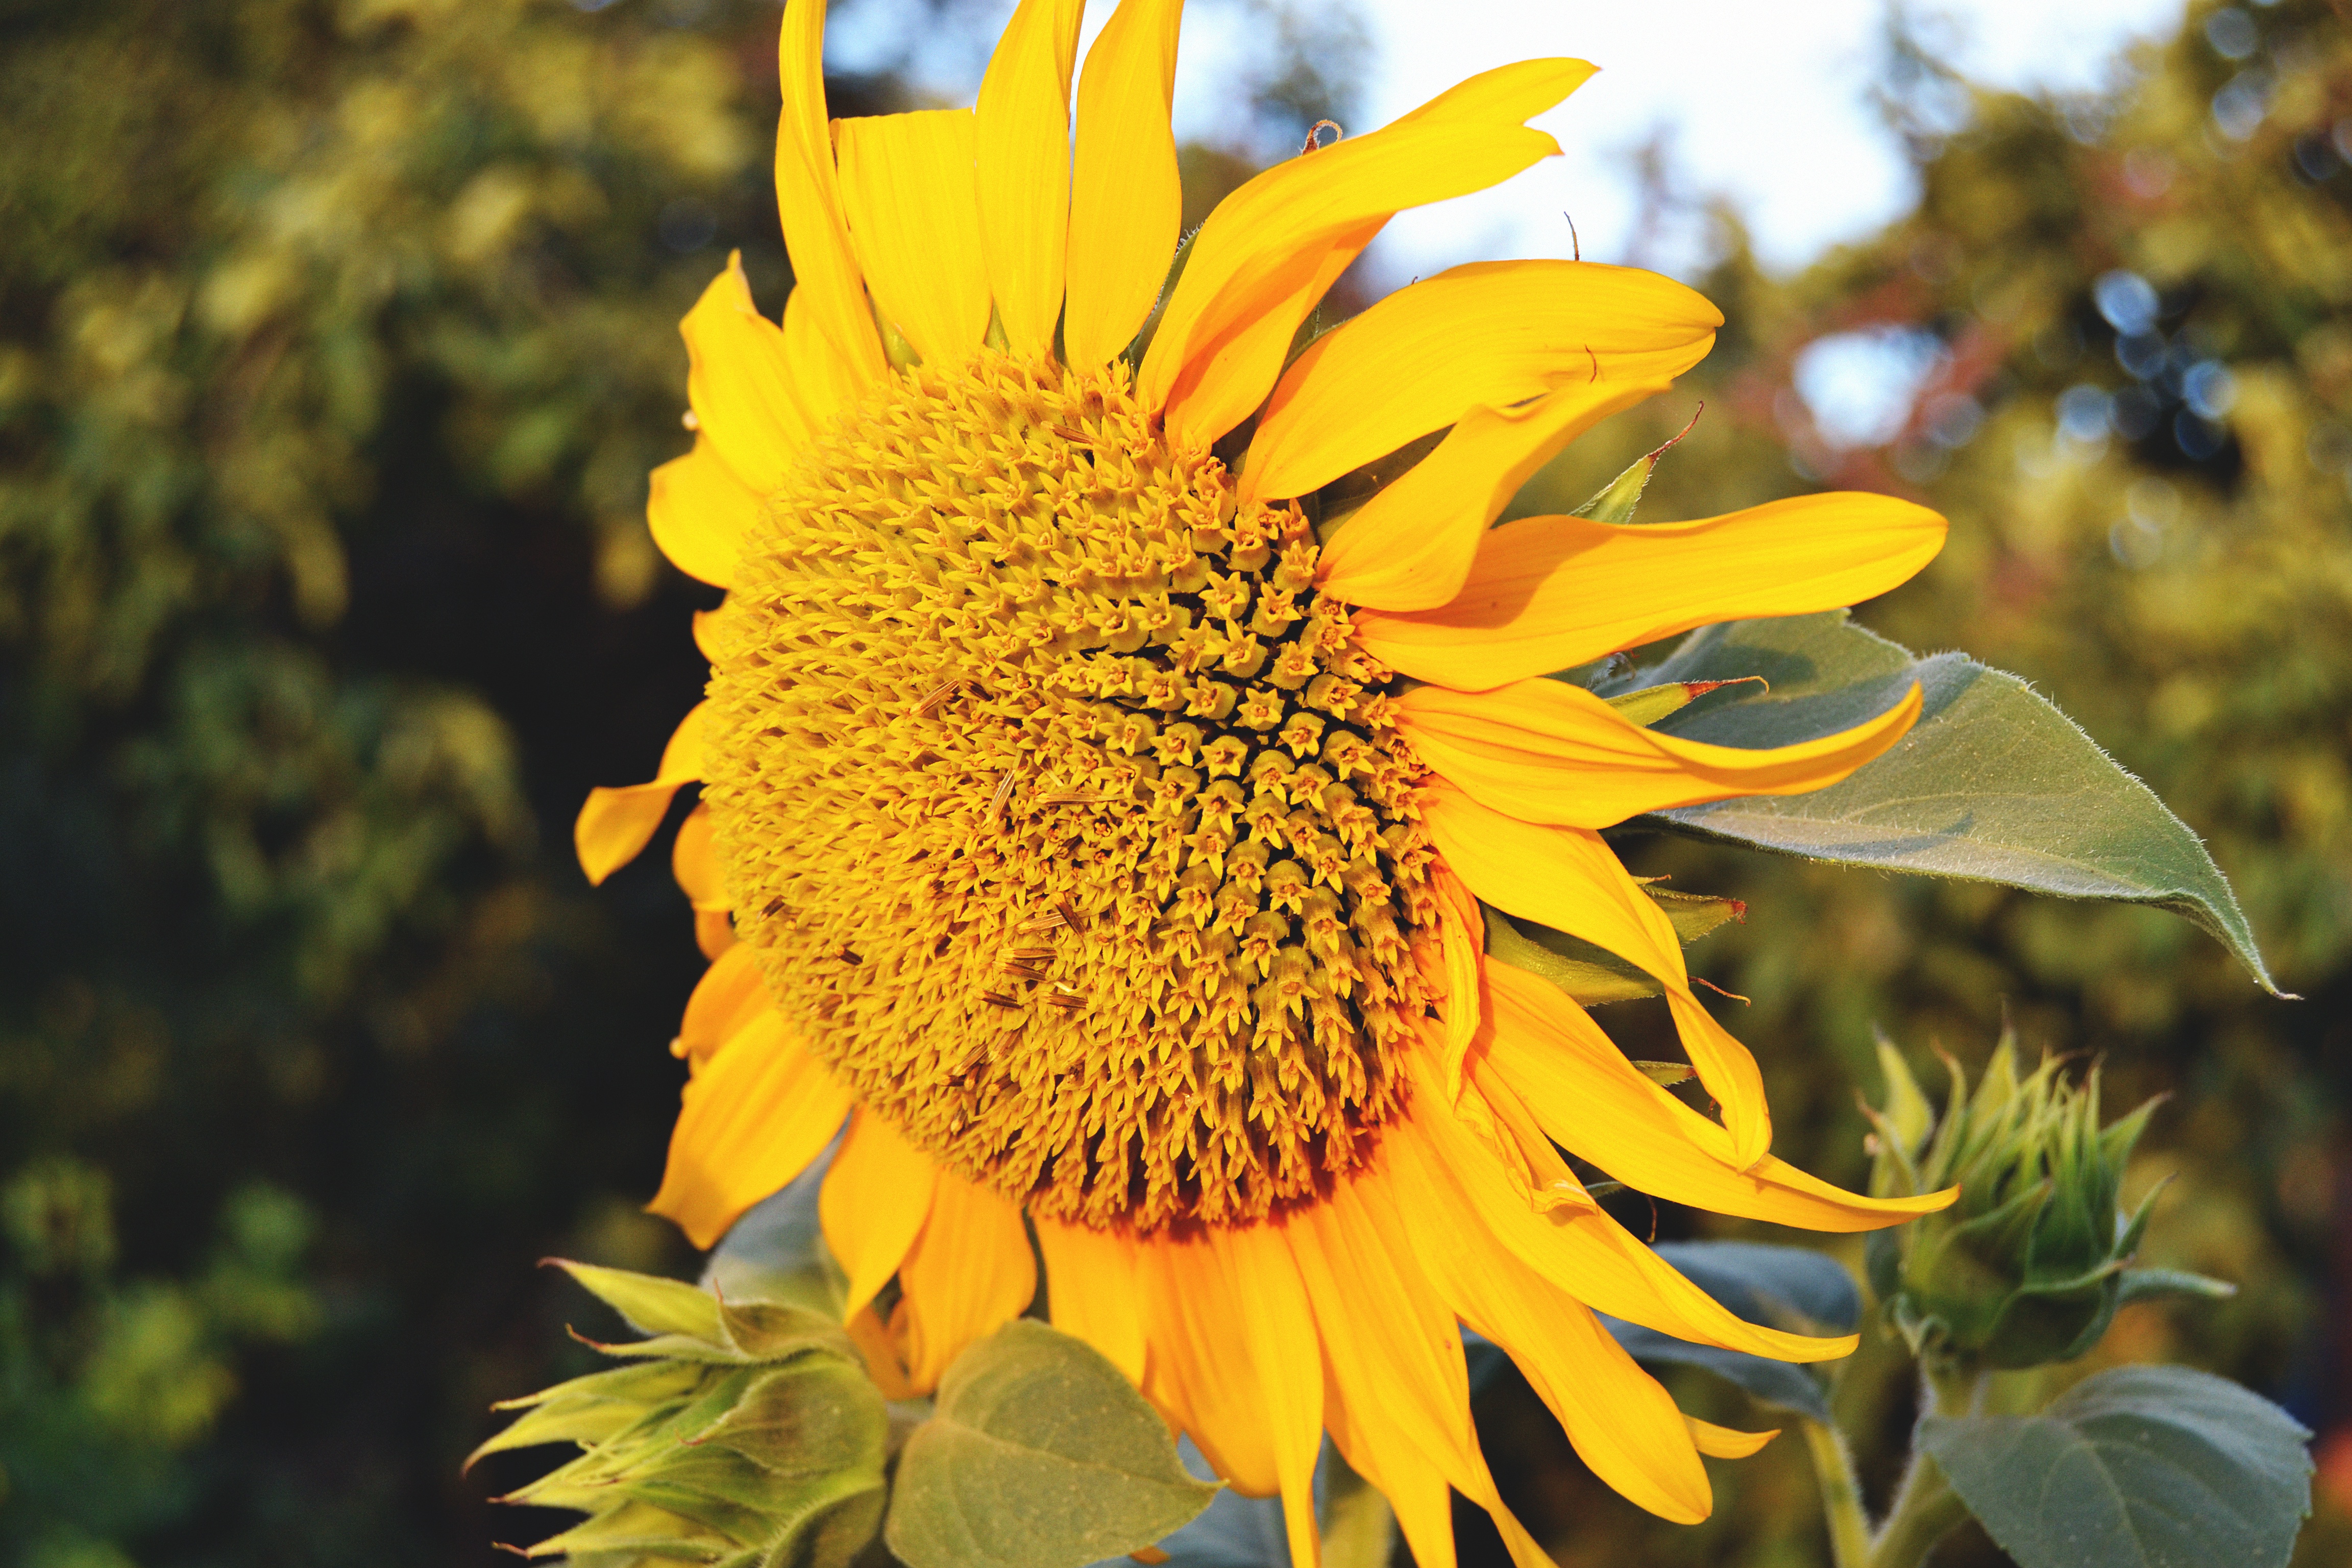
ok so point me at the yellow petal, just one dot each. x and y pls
(1233, 1363)
(1551, 593)
(1583, 1251)
(706, 633)
(700, 512)
(826, 383)
(1024, 154)
(1410, 546)
(1490, 334)
(1091, 1289)
(1231, 374)
(740, 382)
(1462, 935)
(872, 1205)
(1567, 878)
(808, 199)
(1126, 204)
(615, 823)
(729, 998)
(755, 1113)
(1265, 1304)
(1618, 1418)
(969, 1273)
(1546, 751)
(1724, 1442)
(1397, 1396)
(911, 194)
(1246, 286)
(695, 867)
(1506, 95)
(1599, 1106)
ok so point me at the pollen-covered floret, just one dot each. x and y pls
(1067, 819)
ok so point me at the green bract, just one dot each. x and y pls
(743, 1435)
(2028, 1265)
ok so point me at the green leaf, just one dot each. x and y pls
(2149, 1284)
(1041, 1456)
(1994, 784)
(634, 1527)
(651, 1304)
(2137, 1466)
(771, 1331)
(812, 1415)
(592, 1408)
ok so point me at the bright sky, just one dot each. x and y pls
(1764, 102)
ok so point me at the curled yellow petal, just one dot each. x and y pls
(1490, 334)
(1599, 1106)
(1412, 545)
(1567, 878)
(1617, 1417)
(1551, 593)
(1546, 751)
(1724, 1442)
(695, 866)
(1250, 278)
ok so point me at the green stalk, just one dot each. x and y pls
(1841, 1494)
(1925, 1510)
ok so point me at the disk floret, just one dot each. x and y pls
(1067, 820)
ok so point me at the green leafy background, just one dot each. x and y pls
(336, 338)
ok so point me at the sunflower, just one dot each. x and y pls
(1117, 719)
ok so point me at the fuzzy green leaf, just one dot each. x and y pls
(2137, 1466)
(1041, 1456)
(652, 1305)
(810, 1415)
(2152, 1284)
(1993, 785)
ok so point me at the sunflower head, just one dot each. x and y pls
(1061, 807)
(1119, 716)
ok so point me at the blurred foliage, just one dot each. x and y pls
(336, 339)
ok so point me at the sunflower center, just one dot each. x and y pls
(1066, 817)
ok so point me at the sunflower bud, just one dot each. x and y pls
(736, 1434)
(2030, 1265)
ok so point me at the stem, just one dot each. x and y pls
(1926, 1509)
(1841, 1494)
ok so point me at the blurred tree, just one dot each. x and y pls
(337, 338)
(335, 342)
